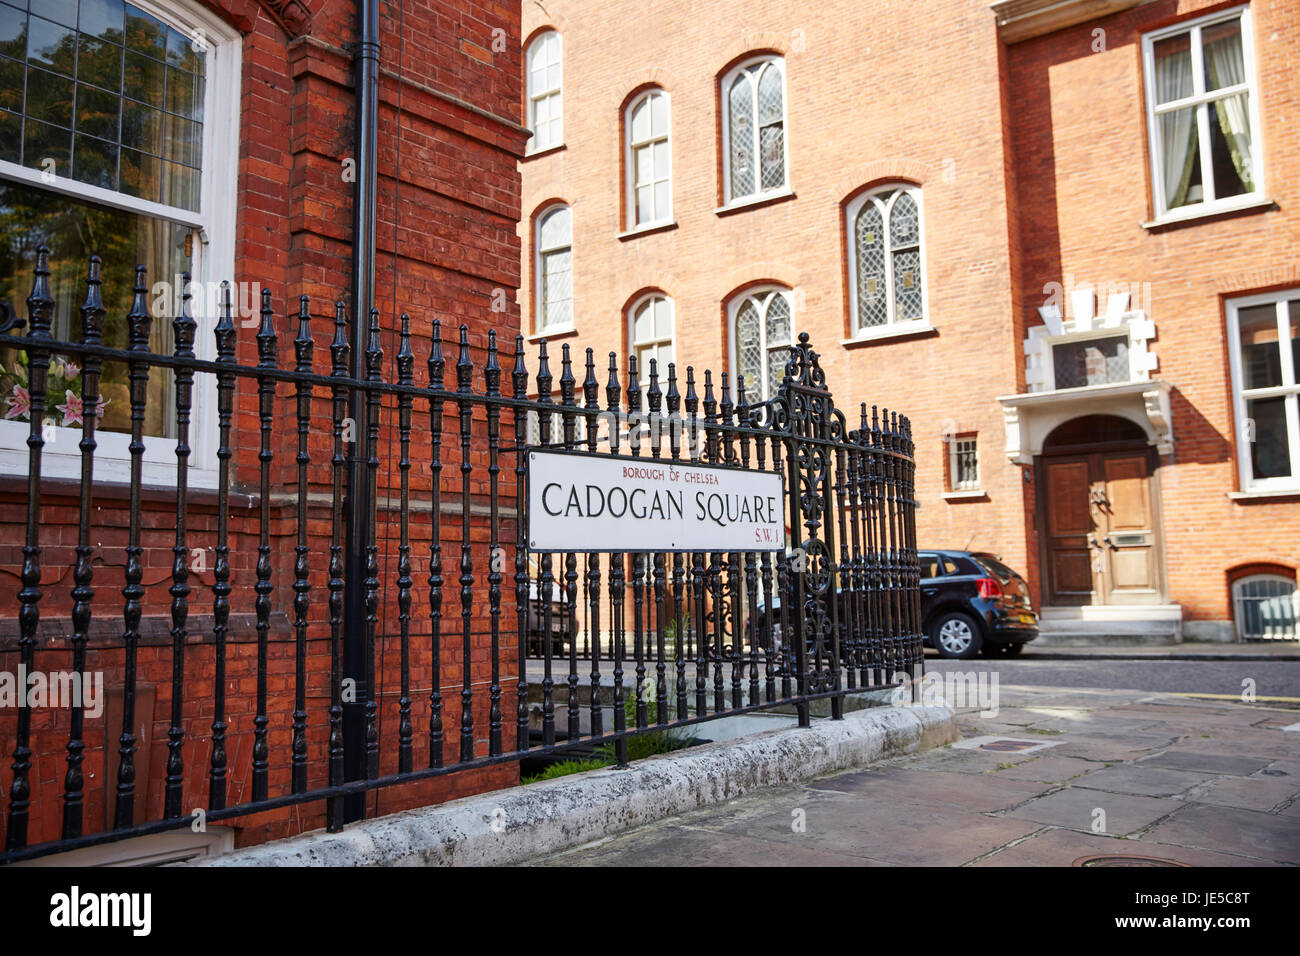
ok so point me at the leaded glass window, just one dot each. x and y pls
(555, 268)
(754, 98)
(649, 164)
(763, 331)
(652, 334)
(545, 103)
(1097, 361)
(106, 127)
(885, 229)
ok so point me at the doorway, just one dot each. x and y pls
(1099, 515)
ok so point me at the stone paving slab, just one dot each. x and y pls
(1144, 781)
(1055, 847)
(1076, 809)
(1269, 836)
(1199, 762)
(1249, 793)
(1201, 783)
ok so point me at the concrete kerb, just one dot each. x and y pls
(515, 825)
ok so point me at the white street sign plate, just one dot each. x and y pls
(582, 502)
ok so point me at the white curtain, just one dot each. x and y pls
(1177, 127)
(1227, 67)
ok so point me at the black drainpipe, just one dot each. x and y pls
(359, 508)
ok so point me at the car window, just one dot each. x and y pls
(931, 567)
(949, 566)
(993, 565)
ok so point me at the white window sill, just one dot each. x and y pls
(1292, 492)
(662, 225)
(533, 153)
(554, 332)
(759, 199)
(1203, 211)
(895, 331)
(965, 494)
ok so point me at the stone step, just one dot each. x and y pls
(1067, 633)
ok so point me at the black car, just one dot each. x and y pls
(971, 601)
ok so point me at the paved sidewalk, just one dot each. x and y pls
(1121, 773)
(1190, 651)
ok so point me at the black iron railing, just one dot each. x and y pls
(259, 674)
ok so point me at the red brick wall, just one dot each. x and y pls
(1083, 189)
(448, 204)
(872, 97)
(1033, 164)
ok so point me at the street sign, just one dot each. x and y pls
(580, 502)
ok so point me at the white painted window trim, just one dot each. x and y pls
(892, 326)
(1245, 472)
(955, 486)
(653, 340)
(539, 282)
(629, 153)
(762, 298)
(534, 95)
(1200, 101)
(724, 96)
(1040, 369)
(214, 260)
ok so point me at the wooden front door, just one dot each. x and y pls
(1101, 542)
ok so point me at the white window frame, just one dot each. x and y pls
(629, 152)
(539, 311)
(893, 325)
(1201, 101)
(1291, 392)
(556, 93)
(656, 341)
(762, 296)
(724, 89)
(1238, 600)
(954, 455)
(213, 260)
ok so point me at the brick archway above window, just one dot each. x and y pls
(293, 16)
(759, 273)
(753, 44)
(855, 180)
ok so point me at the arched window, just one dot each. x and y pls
(554, 265)
(545, 107)
(124, 147)
(753, 125)
(650, 330)
(762, 331)
(649, 163)
(1267, 607)
(887, 284)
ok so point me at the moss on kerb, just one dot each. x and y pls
(570, 811)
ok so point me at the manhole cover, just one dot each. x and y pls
(1007, 745)
(1117, 860)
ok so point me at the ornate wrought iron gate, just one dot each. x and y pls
(258, 664)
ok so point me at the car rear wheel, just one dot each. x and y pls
(956, 635)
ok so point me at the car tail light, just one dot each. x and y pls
(989, 588)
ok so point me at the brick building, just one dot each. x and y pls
(1057, 235)
(216, 137)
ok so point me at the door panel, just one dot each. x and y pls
(1128, 535)
(1069, 523)
(1100, 544)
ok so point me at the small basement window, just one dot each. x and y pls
(1266, 607)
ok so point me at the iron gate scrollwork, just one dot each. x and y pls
(253, 655)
